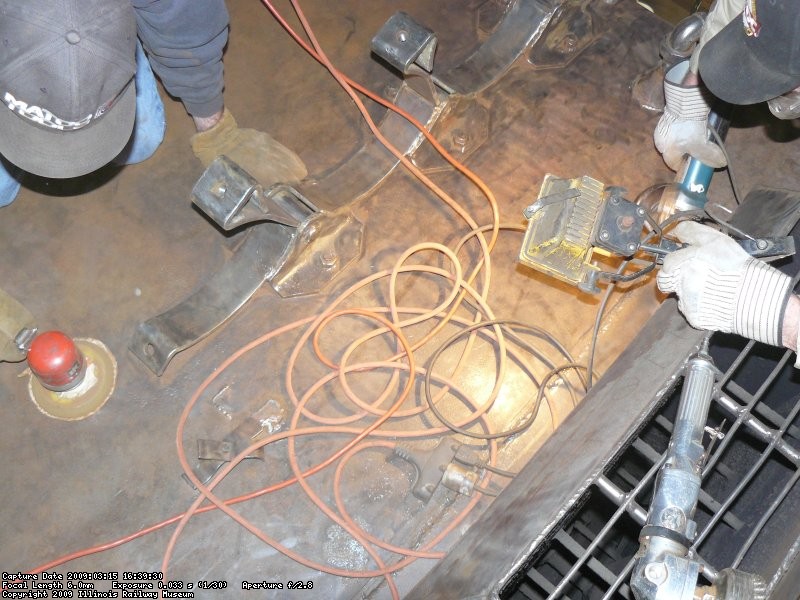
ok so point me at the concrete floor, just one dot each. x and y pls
(95, 257)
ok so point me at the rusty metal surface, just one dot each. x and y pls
(95, 257)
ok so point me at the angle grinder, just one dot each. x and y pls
(69, 379)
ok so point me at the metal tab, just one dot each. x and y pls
(403, 42)
(231, 197)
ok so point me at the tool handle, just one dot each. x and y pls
(15, 319)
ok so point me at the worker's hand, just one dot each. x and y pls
(683, 129)
(266, 159)
(786, 106)
(720, 287)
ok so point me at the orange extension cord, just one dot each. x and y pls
(390, 320)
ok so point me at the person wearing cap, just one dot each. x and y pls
(752, 56)
(682, 128)
(78, 88)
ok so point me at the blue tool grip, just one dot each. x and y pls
(697, 176)
(696, 180)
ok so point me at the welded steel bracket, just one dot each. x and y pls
(522, 24)
(294, 245)
(231, 197)
(402, 42)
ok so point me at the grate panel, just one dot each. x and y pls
(747, 509)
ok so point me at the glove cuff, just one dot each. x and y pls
(686, 101)
(761, 303)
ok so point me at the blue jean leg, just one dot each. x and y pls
(9, 182)
(150, 124)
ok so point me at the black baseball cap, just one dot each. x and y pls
(756, 56)
(66, 83)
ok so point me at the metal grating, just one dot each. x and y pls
(747, 510)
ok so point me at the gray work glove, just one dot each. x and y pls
(683, 128)
(722, 288)
(266, 159)
(786, 106)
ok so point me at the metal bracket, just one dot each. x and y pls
(231, 197)
(275, 251)
(293, 245)
(402, 42)
(213, 454)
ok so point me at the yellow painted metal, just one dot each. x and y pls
(558, 240)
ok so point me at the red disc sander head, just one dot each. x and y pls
(56, 361)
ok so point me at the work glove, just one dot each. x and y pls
(786, 106)
(266, 159)
(722, 288)
(683, 128)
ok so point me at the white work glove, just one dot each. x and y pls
(683, 128)
(786, 106)
(722, 288)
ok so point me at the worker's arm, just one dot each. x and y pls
(722, 288)
(682, 129)
(184, 40)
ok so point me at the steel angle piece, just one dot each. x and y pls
(402, 42)
(231, 197)
(213, 454)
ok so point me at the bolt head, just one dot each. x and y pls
(656, 572)
(673, 518)
(329, 259)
